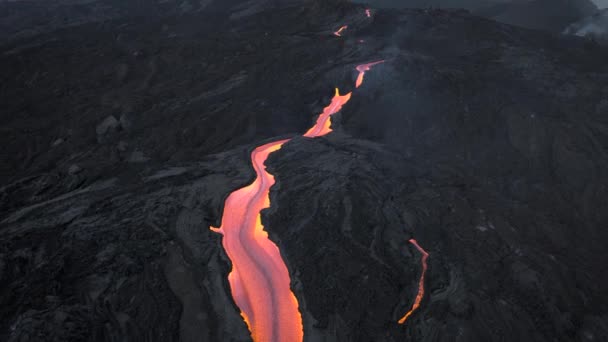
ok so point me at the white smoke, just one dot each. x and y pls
(595, 26)
(601, 3)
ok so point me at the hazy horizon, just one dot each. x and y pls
(601, 3)
(465, 3)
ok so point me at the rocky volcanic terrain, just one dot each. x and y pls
(122, 137)
(550, 15)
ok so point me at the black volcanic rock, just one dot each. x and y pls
(551, 15)
(485, 142)
(22, 19)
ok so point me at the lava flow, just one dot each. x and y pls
(321, 127)
(420, 294)
(259, 279)
(362, 69)
(340, 30)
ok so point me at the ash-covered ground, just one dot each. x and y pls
(122, 137)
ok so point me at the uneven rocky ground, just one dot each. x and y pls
(550, 15)
(485, 142)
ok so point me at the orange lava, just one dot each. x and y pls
(321, 127)
(259, 279)
(340, 30)
(420, 294)
(362, 69)
(368, 13)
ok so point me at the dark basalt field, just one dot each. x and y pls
(123, 135)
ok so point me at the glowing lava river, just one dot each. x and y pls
(259, 279)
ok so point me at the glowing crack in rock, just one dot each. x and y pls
(420, 293)
(259, 279)
(340, 30)
(322, 126)
(362, 69)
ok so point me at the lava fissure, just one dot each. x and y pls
(420, 293)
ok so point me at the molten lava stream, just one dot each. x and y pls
(259, 279)
(340, 30)
(362, 69)
(322, 125)
(420, 294)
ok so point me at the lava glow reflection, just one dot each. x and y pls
(420, 294)
(340, 30)
(362, 69)
(259, 280)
